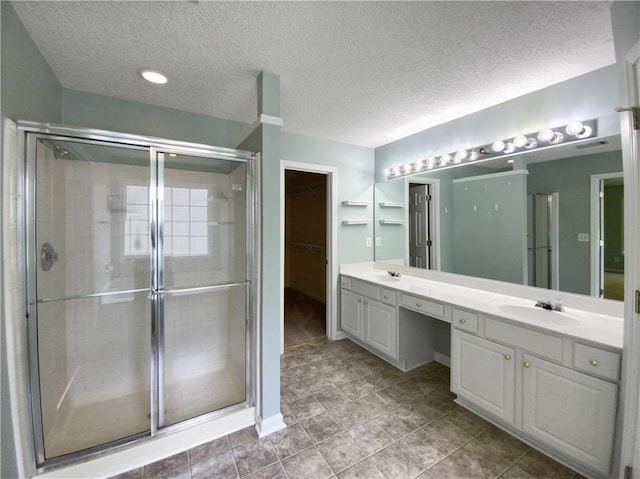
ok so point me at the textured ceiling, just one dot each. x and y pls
(365, 73)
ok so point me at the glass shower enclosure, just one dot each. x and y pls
(140, 286)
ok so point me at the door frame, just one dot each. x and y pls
(596, 274)
(630, 378)
(331, 173)
(435, 215)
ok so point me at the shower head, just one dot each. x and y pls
(60, 152)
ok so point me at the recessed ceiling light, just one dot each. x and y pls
(153, 76)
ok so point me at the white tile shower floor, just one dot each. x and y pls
(100, 422)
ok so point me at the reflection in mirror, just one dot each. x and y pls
(535, 221)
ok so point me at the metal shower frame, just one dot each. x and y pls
(31, 132)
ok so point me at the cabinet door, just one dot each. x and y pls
(483, 373)
(380, 327)
(571, 411)
(351, 310)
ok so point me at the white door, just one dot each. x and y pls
(351, 309)
(631, 159)
(572, 412)
(484, 374)
(420, 243)
(380, 326)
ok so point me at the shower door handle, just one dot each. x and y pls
(47, 256)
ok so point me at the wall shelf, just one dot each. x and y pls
(391, 204)
(356, 203)
(391, 222)
(356, 222)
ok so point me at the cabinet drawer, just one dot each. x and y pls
(465, 320)
(345, 283)
(388, 296)
(423, 305)
(542, 344)
(365, 289)
(596, 361)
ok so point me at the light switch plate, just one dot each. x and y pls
(368, 241)
(378, 241)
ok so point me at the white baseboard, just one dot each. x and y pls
(266, 426)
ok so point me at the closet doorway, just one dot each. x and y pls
(305, 257)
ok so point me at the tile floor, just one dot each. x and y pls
(304, 318)
(351, 415)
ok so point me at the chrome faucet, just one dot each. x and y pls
(393, 273)
(550, 304)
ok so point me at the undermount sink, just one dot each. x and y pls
(539, 315)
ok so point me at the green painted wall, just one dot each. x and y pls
(29, 91)
(107, 113)
(355, 182)
(571, 178)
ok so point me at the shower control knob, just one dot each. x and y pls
(47, 256)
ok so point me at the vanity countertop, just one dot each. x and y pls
(594, 320)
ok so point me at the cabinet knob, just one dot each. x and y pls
(462, 320)
(418, 305)
(386, 296)
(593, 362)
(507, 357)
(526, 364)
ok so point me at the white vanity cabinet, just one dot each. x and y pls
(351, 313)
(533, 384)
(484, 372)
(365, 316)
(380, 327)
(570, 411)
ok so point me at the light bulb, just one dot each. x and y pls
(402, 169)
(532, 143)
(413, 166)
(575, 128)
(473, 156)
(546, 135)
(444, 159)
(431, 162)
(498, 146)
(509, 148)
(461, 155)
(484, 151)
(557, 138)
(520, 141)
(390, 172)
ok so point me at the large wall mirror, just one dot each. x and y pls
(550, 218)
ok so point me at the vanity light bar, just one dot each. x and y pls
(572, 132)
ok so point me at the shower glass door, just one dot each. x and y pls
(139, 271)
(202, 285)
(89, 290)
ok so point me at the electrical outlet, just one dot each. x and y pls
(368, 241)
(378, 241)
(583, 237)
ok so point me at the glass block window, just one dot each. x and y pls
(185, 221)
